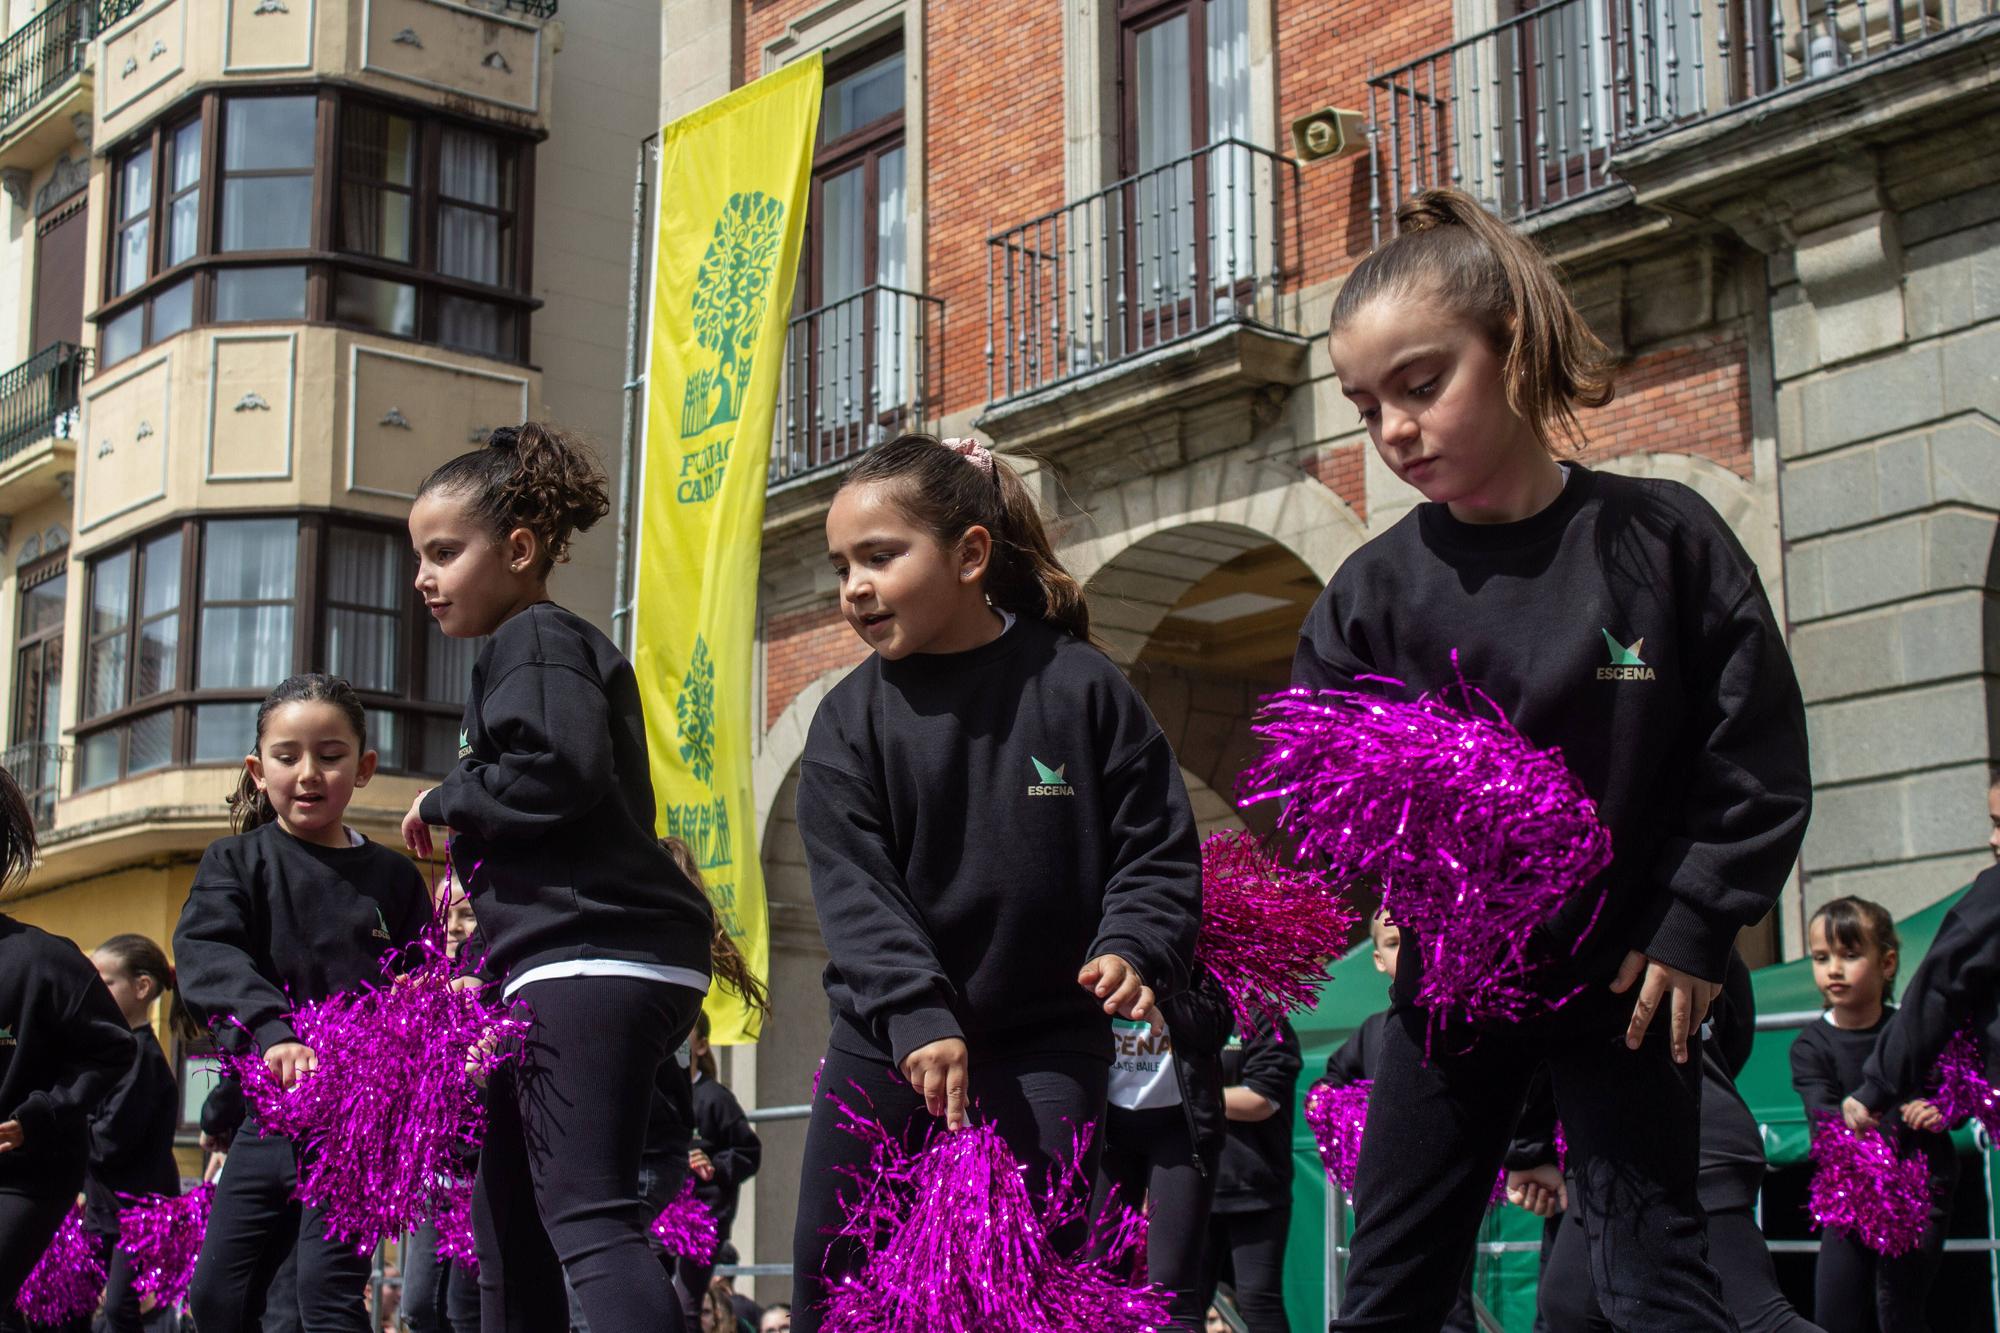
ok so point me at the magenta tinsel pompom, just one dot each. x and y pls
(955, 1244)
(1862, 1187)
(392, 1107)
(163, 1233)
(1475, 837)
(685, 1228)
(1963, 1090)
(1337, 1116)
(1267, 929)
(66, 1283)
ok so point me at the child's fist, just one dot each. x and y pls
(1118, 983)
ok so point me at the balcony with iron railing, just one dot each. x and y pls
(42, 64)
(858, 371)
(38, 770)
(40, 402)
(1532, 114)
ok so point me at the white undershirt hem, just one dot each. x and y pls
(610, 967)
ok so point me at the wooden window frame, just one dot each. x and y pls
(29, 577)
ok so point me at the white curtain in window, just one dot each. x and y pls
(1230, 189)
(895, 317)
(469, 241)
(251, 560)
(364, 568)
(448, 665)
(1163, 202)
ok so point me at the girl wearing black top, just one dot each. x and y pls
(1620, 621)
(1002, 853)
(1854, 951)
(1252, 1214)
(132, 1130)
(582, 914)
(63, 1046)
(292, 908)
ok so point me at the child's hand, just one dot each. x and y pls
(1539, 1189)
(214, 1167)
(1117, 983)
(1857, 1116)
(941, 1071)
(1920, 1114)
(11, 1135)
(416, 833)
(290, 1061)
(699, 1164)
(1689, 995)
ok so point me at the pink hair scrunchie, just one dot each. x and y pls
(973, 452)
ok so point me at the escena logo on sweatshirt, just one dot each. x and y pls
(464, 743)
(1626, 664)
(1052, 782)
(6, 1036)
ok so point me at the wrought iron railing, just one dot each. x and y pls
(38, 770)
(39, 397)
(1163, 255)
(39, 55)
(1528, 114)
(858, 371)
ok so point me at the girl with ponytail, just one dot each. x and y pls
(1002, 853)
(584, 915)
(1614, 619)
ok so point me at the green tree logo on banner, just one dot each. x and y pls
(695, 709)
(731, 294)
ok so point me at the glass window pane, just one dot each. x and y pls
(224, 733)
(843, 232)
(160, 580)
(110, 593)
(119, 337)
(152, 742)
(244, 647)
(448, 667)
(376, 144)
(366, 568)
(474, 246)
(260, 293)
(136, 191)
(183, 217)
(386, 736)
(476, 326)
(104, 690)
(42, 605)
(250, 560)
(1165, 127)
(267, 213)
(132, 244)
(268, 133)
(475, 169)
(862, 98)
(173, 310)
(388, 306)
(187, 156)
(375, 221)
(159, 645)
(363, 646)
(97, 759)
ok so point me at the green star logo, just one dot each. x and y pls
(1620, 654)
(1051, 777)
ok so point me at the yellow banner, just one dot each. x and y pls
(733, 183)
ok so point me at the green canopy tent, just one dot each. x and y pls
(1506, 1281)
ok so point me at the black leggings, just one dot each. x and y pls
(1149, 1164)
(28, 1222)
(254, 1223)
(1856, 1290)
(1736, 1248)
(1250, 1248)
(440, 1295)
(559, 1189)
(1037, 1103)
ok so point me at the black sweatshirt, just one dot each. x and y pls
(1256, 1173)
(1828, 1065)
(723, 1132)
(273, 922)
(1625, 624)
(552, 807)
(1956, 986)
(63, 1045)
(1355, 1058)
(132, 1137)
(978, 826)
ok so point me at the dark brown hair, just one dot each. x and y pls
(531, 476)
(1450, 250)
(1858, 924)
(250, 808)
(731, 968)
(17, 830)
(143, 958)
(947, 495)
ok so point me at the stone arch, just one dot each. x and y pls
(785, 741)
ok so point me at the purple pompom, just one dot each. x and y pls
(1337, 1116)
(1267, 929)
(163, 1233)
(1475, 837)
(393, 1105)
(1862, 1187)
(66, 1283)
(1963, 1092)
(685, 1228)
(955, 1245)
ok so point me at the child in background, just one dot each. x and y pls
(1855, 957)
(63, 1046)
(132, 1130)
(292, 908)
(1520, 573)
(1252, 1214)
(584, 917)
(1003, 855)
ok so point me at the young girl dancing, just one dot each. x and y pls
(582, 913)
(1621, 621)
(292, 908)
(1002, 852)
(63, 1046)
(1855, 956)
(132, 1130)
